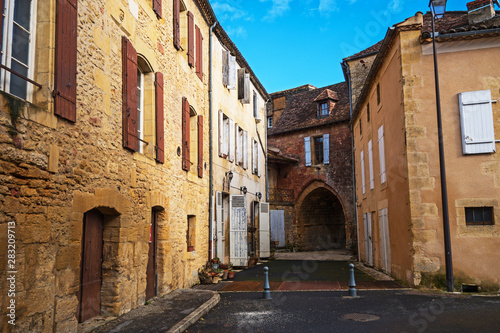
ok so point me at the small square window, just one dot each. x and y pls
(479, 215)
(323, 107)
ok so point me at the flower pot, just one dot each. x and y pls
(224, 275)
(223, 266)
(215, 266)
(230, 274)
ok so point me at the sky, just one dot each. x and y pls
(289, 43)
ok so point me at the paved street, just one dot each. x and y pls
(331, 311)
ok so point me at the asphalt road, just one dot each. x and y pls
(374, 311)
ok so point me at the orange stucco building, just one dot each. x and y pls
(397, 170)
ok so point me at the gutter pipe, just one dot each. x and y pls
(211, 162)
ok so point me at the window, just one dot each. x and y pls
(378, 93)
(323, 107)
(18, 47)
(140, 109)
(479, 215)
(243, 86)
(270, 122)
(360, 127)
(362, 166)
(370, 164)
(226, 137)
(381, 154)
(368, 113)
(255, 158)
(318, 150)
(241, 147)
(191, 232)
(476, 120)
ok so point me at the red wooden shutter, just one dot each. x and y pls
(160, 139)
(129, 95)
(177, 25)
(199, 53)
(157, 7)
(186, 163)
(65, 61)
(190, 39)
(200, 146)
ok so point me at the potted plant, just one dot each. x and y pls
(230, 271)
(215, 263)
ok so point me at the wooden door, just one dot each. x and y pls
(151, 270)
(264, 232)
(238, 246)
(90, 266)
(385, 244)
(368, 238)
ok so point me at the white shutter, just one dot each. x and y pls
(381, 154)
(264, 232)
(476, 119)
(238, 231)
(307, 149)
(245, 150)
(385, 243)
(326, 148)
(246, 89)
(237, 143)
(254, 157)
(370, 164)
(368, 239)
(255, 105)
(231, 140)
(362, 161)
(225, 68)
(221, 133)
(218, 219)
(241, 84)
(225, 139)
(257, 150)
(231, 81)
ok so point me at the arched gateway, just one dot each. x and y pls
(320, 222)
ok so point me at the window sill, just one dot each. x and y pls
(143, 158)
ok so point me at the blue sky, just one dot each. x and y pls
(289, 43)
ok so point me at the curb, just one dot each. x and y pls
(195, 315)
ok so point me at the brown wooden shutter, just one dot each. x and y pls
(199, 53)
(65, 72)
(160, 130)
(190, 52)
(177, 25)
(200, 146)
(186, 163)
(157, 7)
(129, 95)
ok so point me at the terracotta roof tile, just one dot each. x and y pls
(371, 49)
(301, 111)
(327, 94)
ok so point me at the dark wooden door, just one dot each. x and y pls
(90, 266)
(151, 268)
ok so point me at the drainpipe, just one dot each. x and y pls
(265, 154)
(348, 77)
(211, 162)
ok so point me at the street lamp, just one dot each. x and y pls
(438, 8)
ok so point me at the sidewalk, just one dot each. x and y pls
(172, 313)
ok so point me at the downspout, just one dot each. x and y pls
(211, 161)
(267, 174)
(348, 77)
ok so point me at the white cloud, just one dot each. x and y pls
(226, 11)
(327, 6)
(237, 32)
(395, 6)
(278, 8)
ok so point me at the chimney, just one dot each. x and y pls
(480, 10)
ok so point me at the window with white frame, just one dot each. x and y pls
(476, 120)
(223, 135)
(255, 158)
(241, 147)
(270, 122)
(18, 47)
(323, 109)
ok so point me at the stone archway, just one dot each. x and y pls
(320, 222)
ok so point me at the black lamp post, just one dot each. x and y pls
(438, 8)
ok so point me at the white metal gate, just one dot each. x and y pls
(238, 246)
(368, 238)
(278, 227)
(264, 234)
(385, 241)
(220, 226)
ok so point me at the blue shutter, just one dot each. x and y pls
(326, 148)
(307, 149)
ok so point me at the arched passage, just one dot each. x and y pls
(320, 221)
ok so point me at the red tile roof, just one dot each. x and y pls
(301, 111)
(327, 94)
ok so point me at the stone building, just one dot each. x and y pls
(241, 214)
(399, 206)
(104, 155)
(310, 170)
